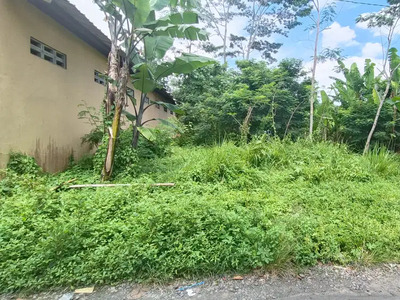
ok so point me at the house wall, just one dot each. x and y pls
(39, 100)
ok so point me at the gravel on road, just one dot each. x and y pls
(317, 283)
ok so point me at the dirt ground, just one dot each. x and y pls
(321, 282)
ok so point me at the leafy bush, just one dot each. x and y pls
(232, 209)
(93, 138)
(22, 164)
(160, 147)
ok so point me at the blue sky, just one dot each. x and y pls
(357, 41)
(346, 16)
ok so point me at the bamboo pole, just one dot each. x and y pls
(78, 186)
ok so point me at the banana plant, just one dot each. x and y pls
(325, 113)
(150, 69)
(132, 26)
(356, 86)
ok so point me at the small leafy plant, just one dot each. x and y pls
(22, 164)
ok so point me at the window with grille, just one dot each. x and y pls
(147, 100)
(45, 52)
(98, 77)
(165, 109)
(158, 105)
(171, 112)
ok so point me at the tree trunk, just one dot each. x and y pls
(136, 133)
(112, 139)
(115, 98)
(244, 128)
(248, 49)
(113, 72)
(291, 117)
(394, 119)
(225, 36)
(378, 112)
(313, 78)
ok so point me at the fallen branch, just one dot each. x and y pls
(61, 184)
(78, 186)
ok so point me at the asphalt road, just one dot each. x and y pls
(318, 283)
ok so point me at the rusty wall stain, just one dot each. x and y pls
(52, 158)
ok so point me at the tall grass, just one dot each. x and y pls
(383, 162)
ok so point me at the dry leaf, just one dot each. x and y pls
(237, 277)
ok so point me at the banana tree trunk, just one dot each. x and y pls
(112, 140)
(113, 71)
(115, 99)
(136, 133)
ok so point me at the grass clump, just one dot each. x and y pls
(233, 209)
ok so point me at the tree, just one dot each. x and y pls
(320, 19)
(356, 103)
(130, 23)
(225, 104)
(326, 115)
(264, 19)
(387, 18)
(218, 14)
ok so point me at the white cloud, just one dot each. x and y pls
(372, 50)
(338, 36)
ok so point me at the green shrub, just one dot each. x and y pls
(22, 164)
(160, 147)
(263, 151)
(85, 162)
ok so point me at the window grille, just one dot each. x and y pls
(45, 52)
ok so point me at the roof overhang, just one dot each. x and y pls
(67, 15)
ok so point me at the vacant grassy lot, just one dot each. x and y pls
(233, 208)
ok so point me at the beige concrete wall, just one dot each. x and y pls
(39, 100)
(152, 112)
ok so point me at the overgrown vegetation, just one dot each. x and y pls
(250, 191)
(234, 208)
(216, 101)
